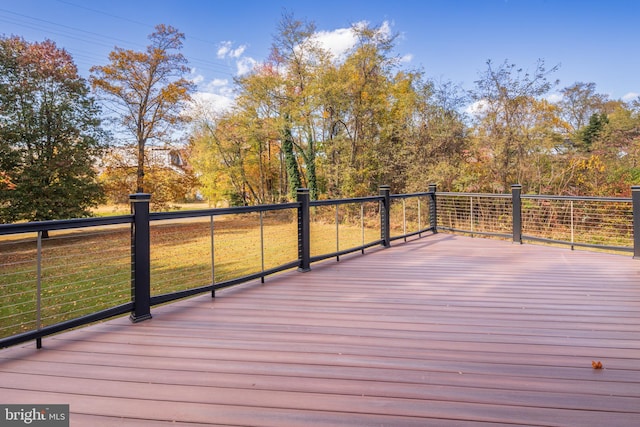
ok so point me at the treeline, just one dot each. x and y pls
(338, 125)
(342, 126)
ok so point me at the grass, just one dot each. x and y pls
(87, 270)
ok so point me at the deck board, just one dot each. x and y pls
(445, 331)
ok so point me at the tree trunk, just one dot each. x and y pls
(293, 174)
(311, 169)
(140, 174)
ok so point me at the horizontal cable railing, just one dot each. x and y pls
(217, 248)
(411, 215)
(58, 275)
(339, 227)
(592, 222)
(475, 213)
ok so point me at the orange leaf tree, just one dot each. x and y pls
(148, 89)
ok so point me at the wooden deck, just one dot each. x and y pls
(444, 331)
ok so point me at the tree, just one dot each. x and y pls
(579, 103)
(369, 109)
(509, 108)
(437, 144)
(291, 164)
(224, 156)
(339, 124)
(148, 89)
(619, 145)
(266, 128)
(592, 131)
(49, 134)
(297, 53)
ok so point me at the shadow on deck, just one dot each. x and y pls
(444, 331)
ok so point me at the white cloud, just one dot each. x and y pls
(477, 107)
(209, 103)
(237, 52)
(245, 65)
(407, 58)
(385, 29)
(339, 41)
(215, 84)
(554, 97)
(226, 50)
(630, 96)
(195, 76)
(223, 50)
(212, 98)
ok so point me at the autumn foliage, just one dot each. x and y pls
(343, 125)
(49, 134)
(148, 90)
(338, 124)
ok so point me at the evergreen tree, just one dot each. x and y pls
(590, 133)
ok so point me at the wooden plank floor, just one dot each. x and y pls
(444, 331)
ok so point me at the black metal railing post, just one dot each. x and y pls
(385, 215)
(304, 233)
(516, 191)
(433, 209)
(635, 201)
(140, 258)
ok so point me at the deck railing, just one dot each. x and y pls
(605, 223)
(57, 275)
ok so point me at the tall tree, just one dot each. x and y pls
(579, 103)
(438, 141)
(592, 131)
(508, 101)
(49, 134)
(619, 144)
(296, 52)
(266, 126)
(291, 164)
(148, 88)
(343, 124)
(369, 99)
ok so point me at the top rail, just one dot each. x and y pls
(63, 224)
(407, 195)
(222, 211)
(486, 195)
(537, 197)
(577, 198)
(346, 201)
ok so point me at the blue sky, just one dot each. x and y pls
(592, 41)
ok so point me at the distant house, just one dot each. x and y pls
(117, 171)
(126, 157)
(169, 157)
